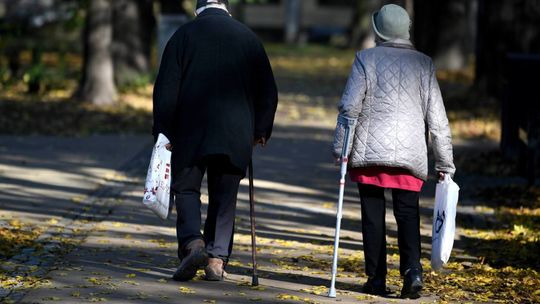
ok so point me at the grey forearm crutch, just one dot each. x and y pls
(348, 125)
(255, 276)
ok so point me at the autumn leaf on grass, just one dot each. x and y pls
(285, 296)
(258, 288)
(51, 299)
(131, 282)
(286, 243)
(15, 223)
(316, 290)
(78, 199)
(255, 299)
(96, 299)
(210, 301)
(94, 280)
(162, 280)
(131, 275)
(52, 221)
(235, 263)
(142, 269)
(328, 205)
(75, 294)
(186, 290)
(364, 298)
(519, 230)
(162, 243)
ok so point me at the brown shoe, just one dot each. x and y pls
(214, 270)
(194, 258)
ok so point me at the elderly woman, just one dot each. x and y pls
(392, 101)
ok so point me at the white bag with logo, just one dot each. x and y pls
(444, 221)
(157, 190)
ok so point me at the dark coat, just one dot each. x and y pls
(215, 91)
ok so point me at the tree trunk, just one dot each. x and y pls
(240, 11)
(504, 26)
(133, 26)
(172, 7)
(445, 30)
(97, 83)
(362, 35)
(172, 16)
(293, 12)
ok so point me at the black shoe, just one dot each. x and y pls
(375, 286)
(412, 284)
(195, 258)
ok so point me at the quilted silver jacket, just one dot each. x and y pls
(392, 101)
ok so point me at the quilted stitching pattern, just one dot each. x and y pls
(394, 94)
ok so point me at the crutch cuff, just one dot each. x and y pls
(346, 121)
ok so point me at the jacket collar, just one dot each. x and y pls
(397, 43)
(213, 11)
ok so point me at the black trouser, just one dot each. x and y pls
(407, 214)
(223, 182)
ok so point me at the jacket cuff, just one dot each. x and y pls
(446, 170)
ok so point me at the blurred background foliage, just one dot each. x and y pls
(49, 47)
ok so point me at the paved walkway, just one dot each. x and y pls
(122, 253)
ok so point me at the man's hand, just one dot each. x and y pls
(168, 147)
(261, 141)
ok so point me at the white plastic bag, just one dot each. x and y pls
(444, 221)
(157, 190)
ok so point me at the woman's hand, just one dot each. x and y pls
(441, 176)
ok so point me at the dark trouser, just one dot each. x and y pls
(223, 183)
(406, 211)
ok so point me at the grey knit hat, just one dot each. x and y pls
(391, 22)
(201, 3)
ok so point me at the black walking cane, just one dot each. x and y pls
(255, 277)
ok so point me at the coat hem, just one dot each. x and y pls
(422, 176)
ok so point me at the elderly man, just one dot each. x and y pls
(215, 98)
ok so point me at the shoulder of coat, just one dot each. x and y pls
(365, 55)
(425, 59)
